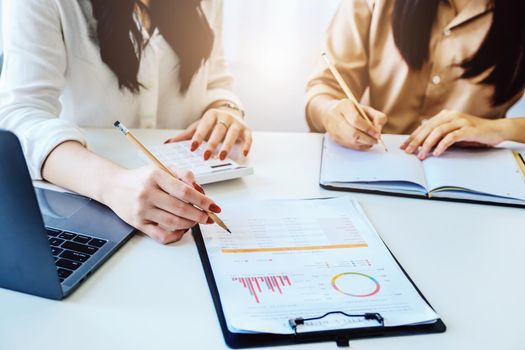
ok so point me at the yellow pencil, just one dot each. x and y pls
(349, 94)
(157, 162)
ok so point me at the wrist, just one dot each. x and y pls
(325, 107)
(505, 129)
(107, 186)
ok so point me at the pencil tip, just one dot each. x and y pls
(228, 230)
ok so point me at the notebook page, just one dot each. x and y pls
(492, 172)
(302, 258)
(345, 165)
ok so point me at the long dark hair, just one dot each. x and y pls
(502, 50)
(180, 22)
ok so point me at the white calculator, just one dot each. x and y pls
(206, 171)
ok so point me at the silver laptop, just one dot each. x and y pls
(50, 242)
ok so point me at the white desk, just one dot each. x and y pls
(467, 259)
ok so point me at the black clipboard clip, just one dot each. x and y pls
(344, 341)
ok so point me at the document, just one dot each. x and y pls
(303, 258)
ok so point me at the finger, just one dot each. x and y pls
(188, 178)
(185, 135)
(216, 137)
(185, 175)
(248, 141)
(204, 129)
(448, 141)
(179, 207)
(379, 119)
(229, 140)
(162, 235)
(435, 136)
(185, 193)
(411, 136)
(418, 137)
(169, 221)
(346, 135)
(361, 124)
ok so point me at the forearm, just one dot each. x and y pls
(315, 111)
(513, 129)
(72, 166)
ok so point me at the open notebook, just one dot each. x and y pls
(488, 175)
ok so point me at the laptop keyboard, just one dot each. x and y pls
(71, 250)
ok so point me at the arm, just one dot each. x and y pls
(327, 109)
(30, 87)
(221, 123)
(439, 133)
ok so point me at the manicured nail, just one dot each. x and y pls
(245, 152)
(215, 208)
(222, 156)
(209, 221)
(194, 146)
(198, 188)
(207, 155)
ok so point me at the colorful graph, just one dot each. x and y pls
(257, 285)
(355, 284)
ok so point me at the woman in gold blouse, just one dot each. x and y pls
(446, 71)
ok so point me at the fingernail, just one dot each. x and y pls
(245, 152)
(194, 146)
(207, 155)
(222, 156)
(215, 208)
(167, 141)
(209, 221)
(198, 188)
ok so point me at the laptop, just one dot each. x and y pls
(50, 242)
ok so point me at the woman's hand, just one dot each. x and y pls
(346, 126)
(450, 127)
(218, 125)
(154, 202)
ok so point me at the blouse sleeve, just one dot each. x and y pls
(347, 46)
(32, 79)
(220, 80)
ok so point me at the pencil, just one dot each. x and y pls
(158, 163)
(349, 94)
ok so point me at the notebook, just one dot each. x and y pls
(480, 175)
(213, 170)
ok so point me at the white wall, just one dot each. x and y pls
(272, 46)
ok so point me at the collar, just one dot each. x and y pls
(474, 9)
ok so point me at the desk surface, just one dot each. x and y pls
(465, 258)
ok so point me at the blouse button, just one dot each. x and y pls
(436, 80)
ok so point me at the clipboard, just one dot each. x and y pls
(342, 337)
(520, 161)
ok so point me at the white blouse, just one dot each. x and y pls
(53, 80)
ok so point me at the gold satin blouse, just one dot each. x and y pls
(361, 45)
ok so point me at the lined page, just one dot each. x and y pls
(345, 165)
(492, 172)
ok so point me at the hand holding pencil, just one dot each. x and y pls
(347, 121)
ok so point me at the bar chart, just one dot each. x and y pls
(257, 285)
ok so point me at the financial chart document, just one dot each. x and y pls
(302, 258)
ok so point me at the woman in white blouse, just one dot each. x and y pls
(149, 63)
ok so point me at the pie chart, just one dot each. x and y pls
(355, 284)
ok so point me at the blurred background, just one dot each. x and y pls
(272, 46)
